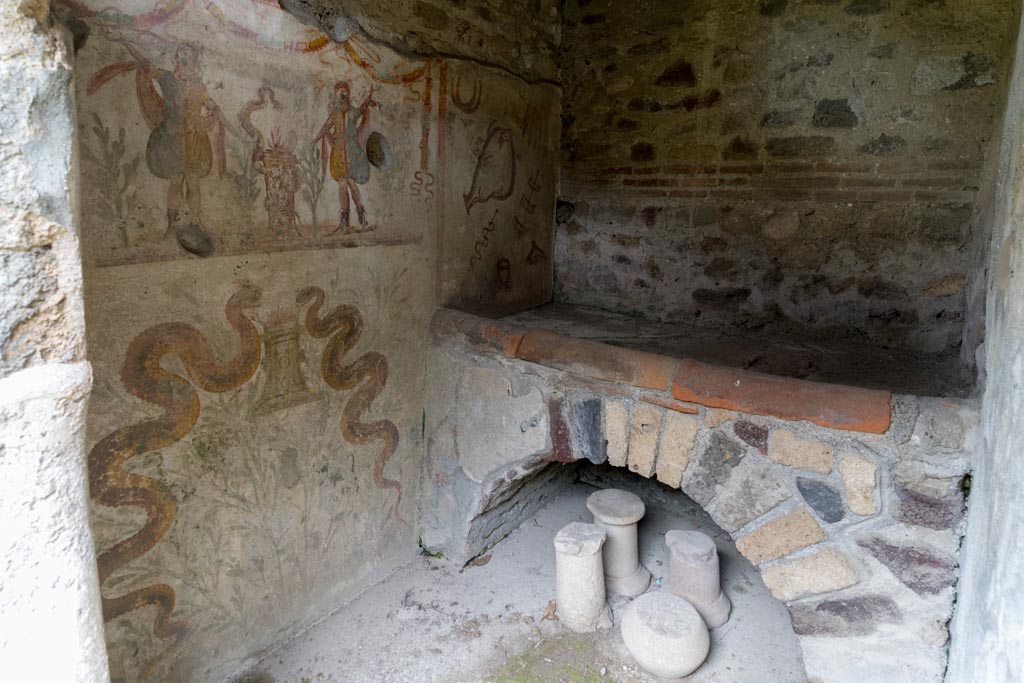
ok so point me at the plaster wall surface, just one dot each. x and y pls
(988, 630)
(270, 218)
(49, 595)
(809, 170)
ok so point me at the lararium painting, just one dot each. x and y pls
(227, 127)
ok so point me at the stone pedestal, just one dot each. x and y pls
(579, 578)
(617, 512)
(665, 635)
(694, 575)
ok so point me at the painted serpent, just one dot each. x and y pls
(345, 323)
(114, 486)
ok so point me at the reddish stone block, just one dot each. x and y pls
(791, 167)
(887, 196)
(650, 182)
(598, 361)
(869, 182)
(788, 195)
(753, 434)
(731, 194)
(835, 195)
(683, 170)
(796, 182)
(698, 182)
(561, 441)
(956, 183)
(831, 167)
(828, 405)
(949, 196)
(955, 165)
(900, 167)
(742, 168)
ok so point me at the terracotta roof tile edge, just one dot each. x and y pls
(597, 360)
(481, 334)
(836, 406)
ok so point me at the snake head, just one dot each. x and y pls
(248, 294)
(307, 294)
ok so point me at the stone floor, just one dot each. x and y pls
(430, 623)
(838, 361)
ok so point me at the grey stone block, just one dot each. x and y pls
(822, 498)
(853, 616)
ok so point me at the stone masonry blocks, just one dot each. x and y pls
(588, 429)
(859, 479)
(643, 439)
(679, 434)
(733, 486)
(796, 498)
(822, 572)
(786, 447)
(616, 431)
(781, 536)
(510, 427)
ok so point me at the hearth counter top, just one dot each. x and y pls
(832, 361)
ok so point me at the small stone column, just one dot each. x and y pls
(617, 512)
(693, 575)
(579, 578)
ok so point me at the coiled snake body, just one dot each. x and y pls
(344, 324)
(145, 378)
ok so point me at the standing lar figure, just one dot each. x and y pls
(180, 114)
(348, 162)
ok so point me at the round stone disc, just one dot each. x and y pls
(665, 634)
(615, 506)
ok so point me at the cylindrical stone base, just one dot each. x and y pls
(617, 513)
(665, 634)
(694, 575)
(579, 578)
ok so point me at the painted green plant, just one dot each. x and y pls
(247, 178)
(114, 174)
(313, 178)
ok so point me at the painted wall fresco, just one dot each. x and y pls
(254, 465)
(264, 231)
(500, 190)
(194, 139)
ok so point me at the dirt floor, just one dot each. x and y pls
(493, 621)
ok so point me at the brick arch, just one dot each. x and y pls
(847, 500)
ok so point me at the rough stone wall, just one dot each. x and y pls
(854, 520)
(520, 36)
(49, 595)
(266, 231)
(782, 167)
(988, 631)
